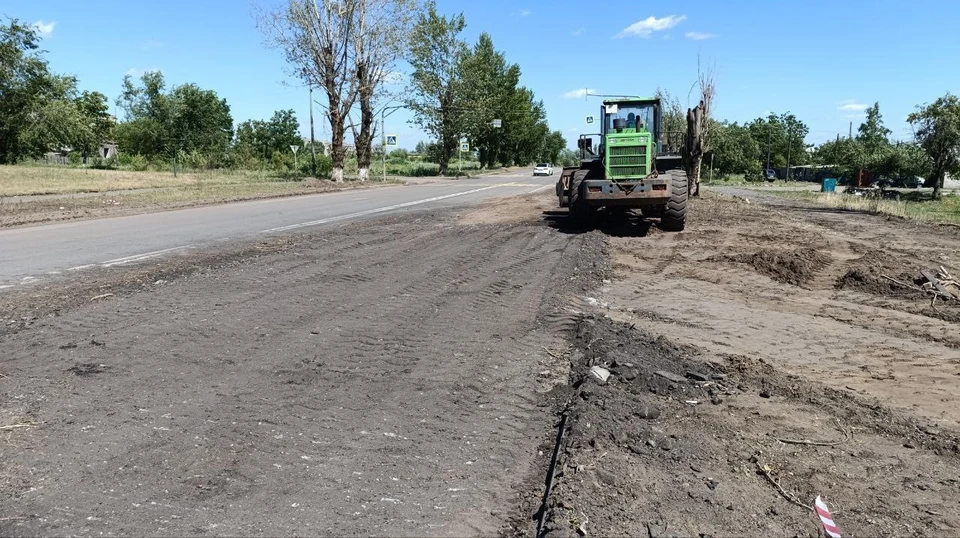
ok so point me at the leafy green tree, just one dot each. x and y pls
(733, 149)
(937, 131)
(436, 91)
(187, 118)
(38, 110)
(844, 155)
(903, 163)
(568, 157)
(486, 82)
(98, 124)
(554, 145)
(770, 135)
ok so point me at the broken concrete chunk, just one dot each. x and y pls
(697, 376)
(671, 376)
(600, 374)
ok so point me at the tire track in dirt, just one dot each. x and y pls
(381, 378)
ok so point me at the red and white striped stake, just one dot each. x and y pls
(828, 525)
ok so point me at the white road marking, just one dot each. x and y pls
(141, 257)
(147, 255)
(374, 211)
(538, 189)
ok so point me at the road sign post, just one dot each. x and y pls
(294, 149)
(464, 146)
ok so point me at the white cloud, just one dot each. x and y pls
(699, 36)
(44, 28)
(525, 13)
(578, 32)
(582, 92)
(851, 105)
(646, 27)
(137, 72)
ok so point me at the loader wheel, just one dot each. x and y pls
(675, 213)
(579, 210)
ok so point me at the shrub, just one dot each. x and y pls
(138, 163)
(324, 165)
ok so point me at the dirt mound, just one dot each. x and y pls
(314, 183)
(870, 280)
(875, 272)
(672, 445)
(796, 267)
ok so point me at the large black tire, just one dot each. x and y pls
(579, 210)
(675, 213)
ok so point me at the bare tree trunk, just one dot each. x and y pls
(694, 148)
(938, 184)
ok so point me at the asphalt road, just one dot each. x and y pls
(29, 254)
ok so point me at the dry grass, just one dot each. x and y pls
(870, 204)
(910, 206)
(29, 180)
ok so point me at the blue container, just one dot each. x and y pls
(829, 184)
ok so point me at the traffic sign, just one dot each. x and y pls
(464, 146)
(497, 124)
(589, 120)
(294, 149)
(392, 140)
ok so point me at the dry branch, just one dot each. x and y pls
(784, 493)
(846, 437)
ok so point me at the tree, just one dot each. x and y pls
(698, 131)
(98, 124)
(794, 133)
(937, 131)
(148, 116)
(379, 38)
(487, 80)
(201, 120)
(435, 92)
(569, 157)
(316, 37)
(257, 139)
(32, 98)
(672, 119)
(554, 145)
(733, 149)
(186, 118)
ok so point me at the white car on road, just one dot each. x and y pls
(543, 169)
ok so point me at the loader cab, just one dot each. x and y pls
(634, 116)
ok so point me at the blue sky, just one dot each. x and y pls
(825, 61)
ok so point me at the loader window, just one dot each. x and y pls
(630, 114)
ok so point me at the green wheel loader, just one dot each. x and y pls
(635, 165)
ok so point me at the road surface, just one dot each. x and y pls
(28, 254)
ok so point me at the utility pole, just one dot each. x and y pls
(313, 146)
(789, 144)
(851, 130)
